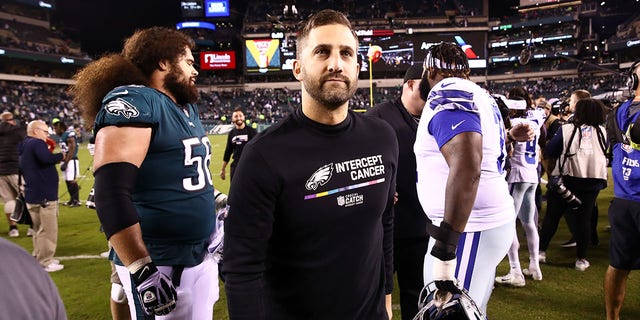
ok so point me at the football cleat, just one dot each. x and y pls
(435, 304)
(90, 203)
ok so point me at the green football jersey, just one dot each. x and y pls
(173, 193)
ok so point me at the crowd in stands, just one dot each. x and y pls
(629, 30)
(27, 29)
(24, 11)
(29, 37)
(361, 10)
(560, 88)
(30, 101)
(541, 13)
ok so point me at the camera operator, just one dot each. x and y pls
(581, 172)
(566, 109)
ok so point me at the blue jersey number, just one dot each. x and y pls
(497, 118)
(530, 151)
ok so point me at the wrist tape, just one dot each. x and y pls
(138, 264)
(446, 241)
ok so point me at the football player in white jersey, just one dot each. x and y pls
(460, 154)
(523, 181)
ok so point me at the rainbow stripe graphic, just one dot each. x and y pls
(351, 187)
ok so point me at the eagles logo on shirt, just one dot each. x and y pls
(320, 177)
(120, 107)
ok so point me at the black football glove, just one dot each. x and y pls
(63, 166)
(156, 291)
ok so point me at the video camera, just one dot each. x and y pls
(559, 106)
(557, 185)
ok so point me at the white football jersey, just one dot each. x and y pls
(524, 158)
(537, 115)
(454, 106)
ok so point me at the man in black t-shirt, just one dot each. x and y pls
(237, 138)
(309, 233)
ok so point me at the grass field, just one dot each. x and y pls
(564, 293)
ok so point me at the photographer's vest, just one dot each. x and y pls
(583, 154)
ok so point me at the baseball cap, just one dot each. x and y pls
(413, 73)
(55, 120)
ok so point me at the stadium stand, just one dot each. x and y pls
(34, 80)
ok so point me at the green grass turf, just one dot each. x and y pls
(564, 293)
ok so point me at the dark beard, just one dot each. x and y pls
(424, 86)
(330, 99)
(182, 91)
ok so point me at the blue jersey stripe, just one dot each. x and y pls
(472, 259)
(473, 254)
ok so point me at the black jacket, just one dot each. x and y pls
(410, 220)
(10, 137)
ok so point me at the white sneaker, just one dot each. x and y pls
(14, 233)
(53, 267)
(542, 257)
(30, 232)
(582, 264)
(512, 280)
(536, 274)
(105, 254)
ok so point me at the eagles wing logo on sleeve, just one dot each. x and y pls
(120, 107)
(320, 177)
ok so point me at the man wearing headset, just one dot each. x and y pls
(623, 129)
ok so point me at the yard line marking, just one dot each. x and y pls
(81, 256)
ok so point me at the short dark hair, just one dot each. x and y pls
(60, 124)
(319, 19)
(581, 94)
(589, 112)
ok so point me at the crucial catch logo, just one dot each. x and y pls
(120, 107)
(349, 200)
(320, 177)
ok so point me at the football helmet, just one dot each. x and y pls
(217, 237)
(435, 304)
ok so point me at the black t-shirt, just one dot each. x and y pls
(236, 140)
(310, 227)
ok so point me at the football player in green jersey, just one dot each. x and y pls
(153, 189)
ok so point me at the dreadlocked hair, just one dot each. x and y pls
(447, 59)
